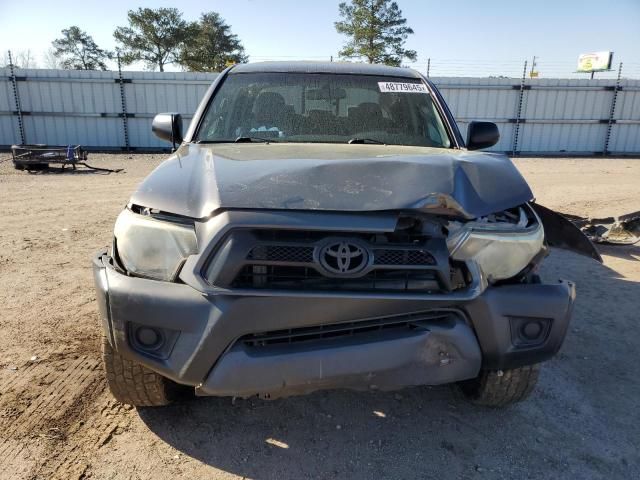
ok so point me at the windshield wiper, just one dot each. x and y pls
(356, 140)
(253, 139)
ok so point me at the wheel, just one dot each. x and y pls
(499, 388)
(133, 383)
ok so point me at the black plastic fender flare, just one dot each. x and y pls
(561, 233)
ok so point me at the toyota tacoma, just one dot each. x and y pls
(323, 226)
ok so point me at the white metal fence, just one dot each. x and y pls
(95, 109)
(108, 110)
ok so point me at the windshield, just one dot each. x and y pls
(334, 108)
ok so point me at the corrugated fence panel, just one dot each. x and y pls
(555, 110)
(85, 107)
(155, 92)
(626, 136)
(562, 138)
(557, 116)
(8, 123)
(63, 107)
(489, 99)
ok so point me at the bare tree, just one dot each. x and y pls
(51, 60)
(21, 59)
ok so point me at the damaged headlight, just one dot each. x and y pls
(153, 248)
(501, 244)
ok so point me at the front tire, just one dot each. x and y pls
(133, 383)
(499, 388)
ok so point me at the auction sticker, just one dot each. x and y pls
(398, 87)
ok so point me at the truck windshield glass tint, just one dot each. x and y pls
(325, 108)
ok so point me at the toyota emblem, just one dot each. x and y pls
(343, 257)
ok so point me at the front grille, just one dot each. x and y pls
(272, 259)
(398, 323)
(304, 254)
(389, 256)
(307, 278)
(282, 253)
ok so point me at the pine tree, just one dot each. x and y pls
(213, 47)
(76, 50)
(377, 31)
(154, 36)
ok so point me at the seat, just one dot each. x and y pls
(366, 117)
(322, 122)
(269, 109)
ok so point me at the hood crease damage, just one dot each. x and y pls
(198, 180)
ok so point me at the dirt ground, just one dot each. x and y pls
(58, 421)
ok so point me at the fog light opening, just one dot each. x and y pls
(531, 330)
(149, 338)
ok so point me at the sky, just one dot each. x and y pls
(461, 36)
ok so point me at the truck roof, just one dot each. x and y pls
(325, 67)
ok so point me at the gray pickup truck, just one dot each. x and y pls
(322, 226)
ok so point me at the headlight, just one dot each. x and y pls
(153, 248)
(501, 246)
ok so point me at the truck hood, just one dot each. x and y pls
(197, 180)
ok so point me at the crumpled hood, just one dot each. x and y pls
(199, 179)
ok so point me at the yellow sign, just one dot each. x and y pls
(595, 61)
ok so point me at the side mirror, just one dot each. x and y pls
(482, 135)
(168, 126)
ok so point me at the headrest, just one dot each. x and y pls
(269, 101)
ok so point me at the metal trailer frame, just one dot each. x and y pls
(35, 158)
(39, 157)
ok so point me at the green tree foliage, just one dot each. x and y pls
(213, 47)
(377, 31)
(76, 50)
(154, 36)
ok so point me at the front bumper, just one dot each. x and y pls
(200, 335)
